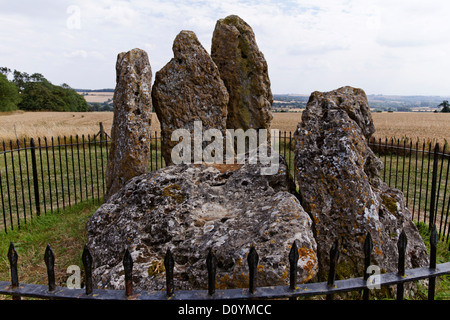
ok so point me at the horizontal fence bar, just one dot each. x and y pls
(273, 292)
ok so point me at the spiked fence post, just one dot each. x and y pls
(211, 264)
(334, 256)
(87, 263)
(433, 245)
(293, 259)
(401, 246)
(49, 259)
(128, 269)
(13, 258)
(432, 218)
(368, 247)
(252, 260)
(169, 264)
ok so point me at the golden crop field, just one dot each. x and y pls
(19, 124)
(413, 125)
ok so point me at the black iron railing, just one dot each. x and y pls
(44, 175)
(293, 290)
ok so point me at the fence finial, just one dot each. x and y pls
(128, 269)
(434, 238)
(334, 257)
(87, 263)
(368, 247)
(49, 259)
(169, 264)
(401, 246)
(211, 264)
(252, 260)
(293, 259)
(13, 258)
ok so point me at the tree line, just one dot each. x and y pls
(35, 93)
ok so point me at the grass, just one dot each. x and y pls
(65, 175)
(412, 173)
(64, 231)
(442, 289)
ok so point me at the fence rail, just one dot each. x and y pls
(49, 175)
(45, 175)
(294, 290)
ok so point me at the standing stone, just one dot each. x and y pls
(130, 133)
(186, 89)
(191, 209)
(340, 186)
(245, 74)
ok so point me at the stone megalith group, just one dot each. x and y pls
(193, 208)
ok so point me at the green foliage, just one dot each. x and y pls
(105, 106)
(445, 106)
(35, 93)
(9, 94)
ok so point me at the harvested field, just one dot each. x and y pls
(428, 126)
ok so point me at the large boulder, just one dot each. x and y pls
(130, 132)
(192, 208)
(186, 89)
(244, 71)
(340, 186)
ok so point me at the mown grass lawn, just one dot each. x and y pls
(64, 231)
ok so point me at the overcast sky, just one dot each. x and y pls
(385, 46)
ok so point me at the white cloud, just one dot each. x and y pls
(84, 54)
(385, 46)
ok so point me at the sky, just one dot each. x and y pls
(388, 47)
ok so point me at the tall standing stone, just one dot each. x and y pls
(130, 133)
(244, 71)
(340, 186)
(186, 89)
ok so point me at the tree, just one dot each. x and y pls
(9, 94)
(20, 78)
(5, 70)
(34, 93)
(445, 106)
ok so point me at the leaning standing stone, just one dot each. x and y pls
(340, 185)
(130, 133)
(244, 71)
(187, 89)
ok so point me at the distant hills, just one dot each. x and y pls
(295, 102)
(377, 102)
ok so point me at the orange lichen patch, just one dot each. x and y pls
(316, 219)
(235, 281)
(378, 251)
(156, 267)
(305, 252)
(360, 239)
(307, 259)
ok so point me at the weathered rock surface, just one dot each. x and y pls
(186, 89)
(244, 71)
(130, 133)
(192, 208)
(338, 176)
